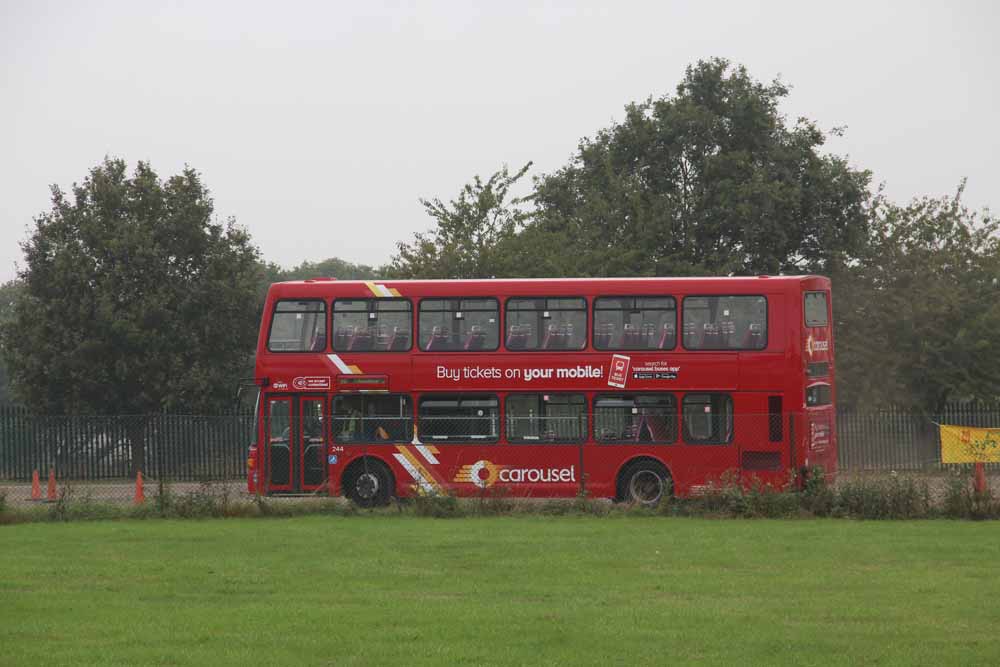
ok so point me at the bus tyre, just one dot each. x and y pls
(368, 483)
(644, 483)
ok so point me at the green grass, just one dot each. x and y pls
(541, 590)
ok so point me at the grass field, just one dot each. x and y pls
(517, 590)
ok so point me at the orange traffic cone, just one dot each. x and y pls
(980, 478)
(36, 486)
(140, 497)
(51, 495)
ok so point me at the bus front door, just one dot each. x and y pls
(295, 457)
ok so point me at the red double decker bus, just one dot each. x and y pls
(619, 388)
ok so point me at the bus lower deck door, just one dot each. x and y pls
(296, 443)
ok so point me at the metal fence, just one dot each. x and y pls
(896, 439)
(180, 448)
(184, 448)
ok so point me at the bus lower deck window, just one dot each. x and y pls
(635, 418)
(457, 417)
(707, 419)
(372, 418)
(537, 418)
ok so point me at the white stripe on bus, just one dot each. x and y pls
(339, 363)
(427, 454)
(415, 474)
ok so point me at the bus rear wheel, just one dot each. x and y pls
(368, 483)
(644, 483)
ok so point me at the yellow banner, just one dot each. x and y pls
(962, 444)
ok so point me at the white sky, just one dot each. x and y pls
(319, 125)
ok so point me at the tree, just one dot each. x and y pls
(134, 301)
(334, 267)
(9, 293)
(472, 235)
(918, 317)
(712, 180)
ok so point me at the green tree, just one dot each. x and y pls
(334, 267)
(712, 180)
(472, 236)
(9, 293)
(918, 316)
(134, 301)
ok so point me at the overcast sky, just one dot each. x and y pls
(319, 125)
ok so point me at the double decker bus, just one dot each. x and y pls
(619, 388)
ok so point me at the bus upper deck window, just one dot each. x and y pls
(815, 307)
(298, 326)
(635, 323)
(546, 323)
(725, 323)
(459, 325)
(372, 325)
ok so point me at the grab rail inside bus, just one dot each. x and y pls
(249, 382)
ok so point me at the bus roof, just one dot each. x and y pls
(318, 287)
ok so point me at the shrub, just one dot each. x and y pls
(817, 496)
(70, 506)
(893, 497)
(163, 501)
(731, 496)
(207, 500)
(494, 501)
(436, 505)
(962, 501)
(584, 504)
(770, 503)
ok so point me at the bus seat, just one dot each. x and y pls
(517, 336)
(668, 335)
(754, 336)
(553, 338)
(656, 425)
(382, 337)
(567, 337)
(690, 335)
(648, 335)
(318, 343)
(476, 338)
(400, 339)
(727, 333)
(439, 339)
(604, 334)
(631, 337)
(342, 337)
(710, 335)
(361, 340)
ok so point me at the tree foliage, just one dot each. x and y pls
(134, 301)
(710, 181)
(918, 317)
(9, 293)
(333, 267)
(714, 180)
(473, 233)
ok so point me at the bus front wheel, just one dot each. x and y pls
(644, 482)
(368, 483)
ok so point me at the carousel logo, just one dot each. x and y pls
(485, 474)
(813, 345)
